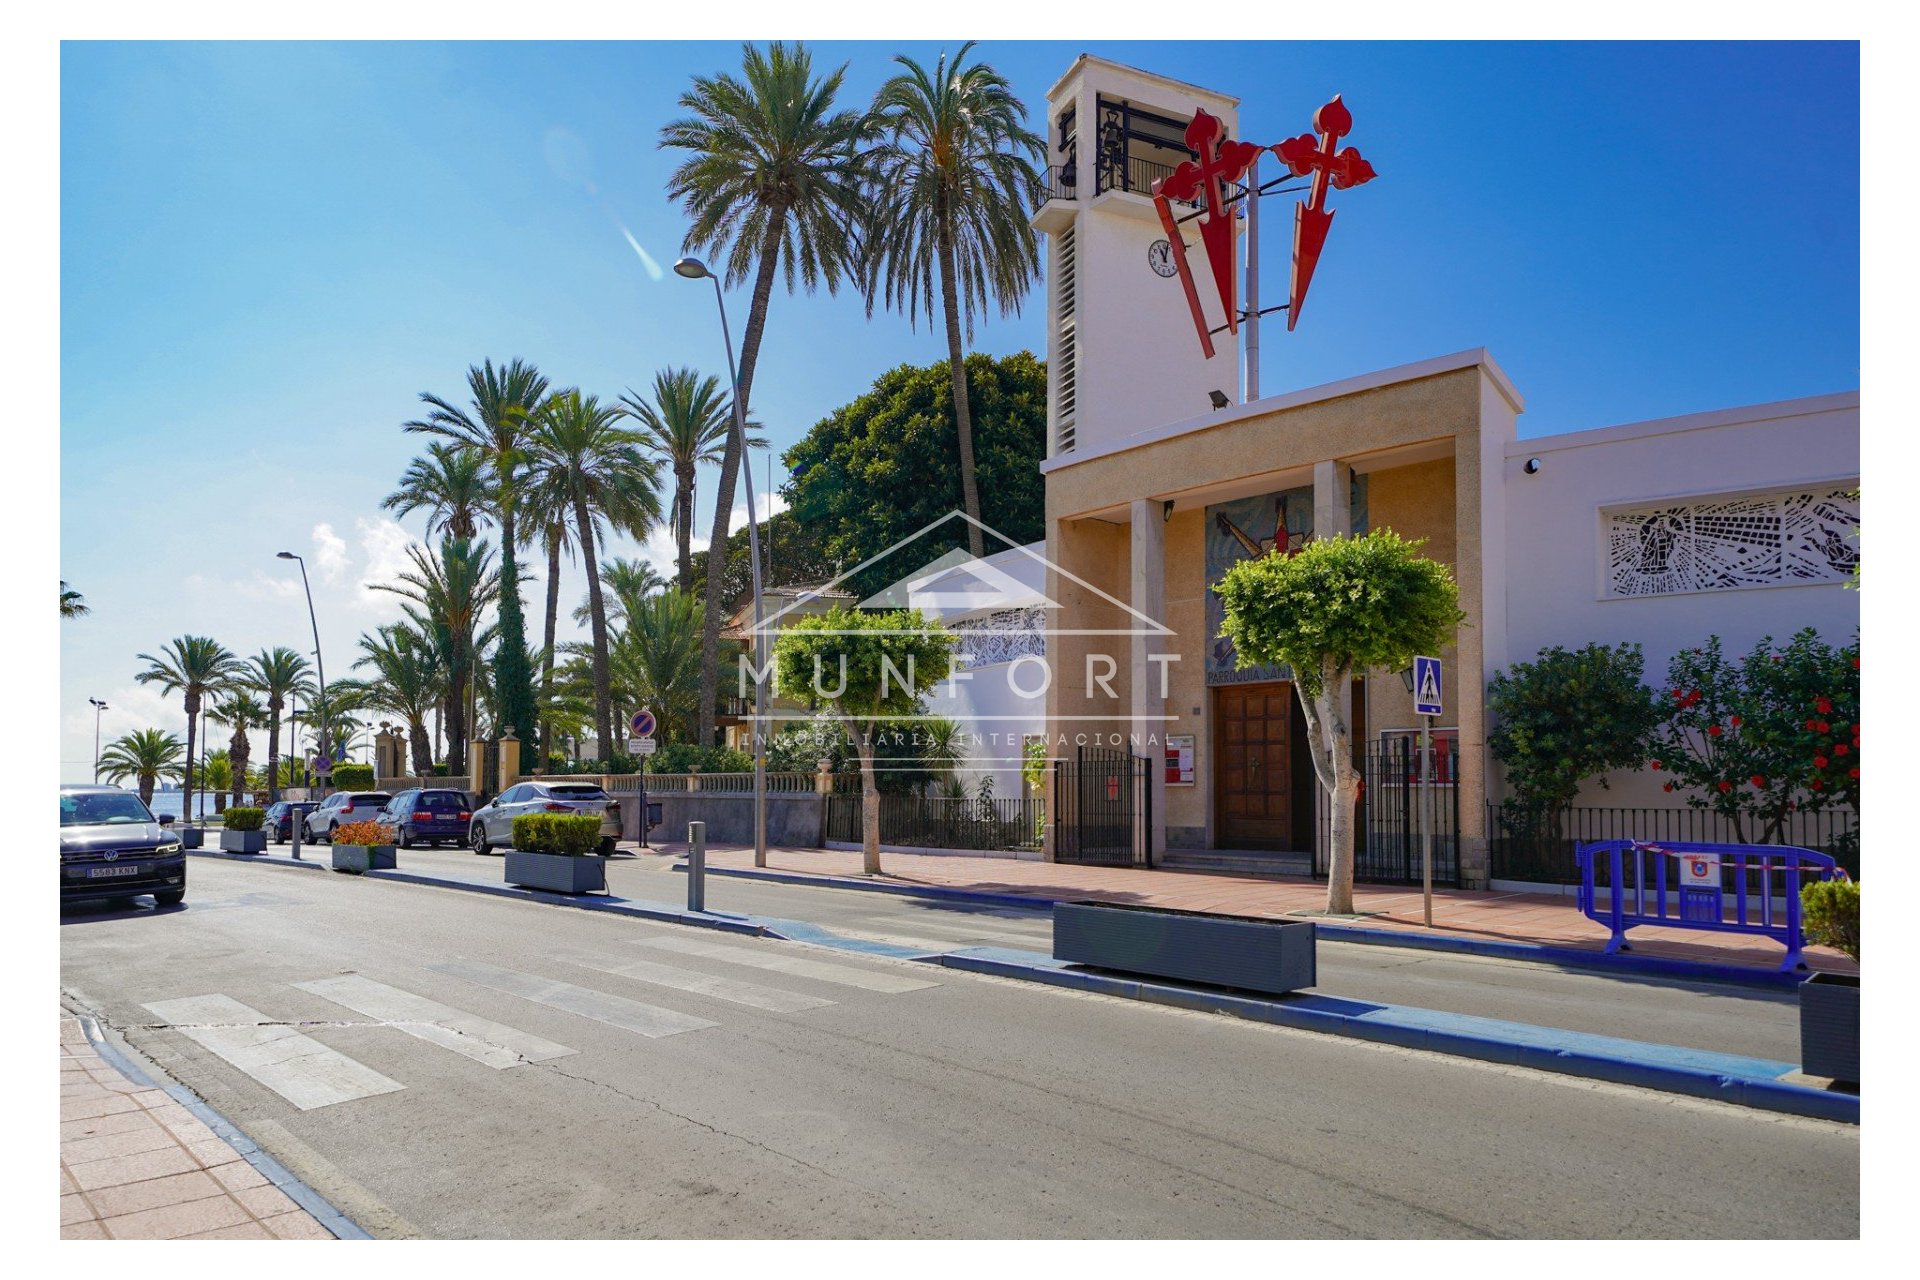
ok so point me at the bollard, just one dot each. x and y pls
(294, 825)
(696, 866)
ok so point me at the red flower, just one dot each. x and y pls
(1822, 727)
(1714, 731)
(1854, 772)
(1856, 664)
(1669, 786)
(1724, 786)
(1693, 696)
(1656, 764)
(1678, 695)
(1757, 781)
(1814, 785)
(1823, 705)
(1810, 726)
(1819, 762)
(1734, 721)
(1840, 750)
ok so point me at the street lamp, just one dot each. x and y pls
(318, 661)
(694, 269)
(98, 707)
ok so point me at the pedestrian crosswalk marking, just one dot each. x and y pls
(490, 1043)
(731, 989)
(957, 928)
(616, 1011)
(845, 975)
(296, 1066)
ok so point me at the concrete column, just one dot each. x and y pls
(1147, 582)
(477, 765)
(509, 759)
(823, 778)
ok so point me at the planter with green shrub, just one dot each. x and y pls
(556, 852)
(243, 833)
(359, 847)
(1830, 1002)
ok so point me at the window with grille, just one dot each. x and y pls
(1065, 362)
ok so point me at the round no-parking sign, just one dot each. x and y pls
(643, 724)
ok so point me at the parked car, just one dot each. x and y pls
(111, 847)
(343, 806)
(492, 824)
(428, 816)
(280, 818)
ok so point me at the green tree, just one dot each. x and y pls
(624, 584)
(870, 670)
(1563, 718)
(276, 674)
(793, 552)
(685, 425)
(147, 756)
(1759, 737)
(579, 447)
(772, 182)
(1340, 607)
(877, 470)
(72, 603)
(495, 425)
(218, 777)
(193, 666)
(452, 483)
(952, 176)
(656, 660)
(404, 681)
(446, 593)
(239, 710)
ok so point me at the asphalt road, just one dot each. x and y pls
(457, 1065)
(1726, 1019)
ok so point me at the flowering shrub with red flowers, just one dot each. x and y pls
(1758, 737)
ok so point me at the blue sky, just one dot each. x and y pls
(269, 250)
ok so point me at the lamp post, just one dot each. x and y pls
(319, 662)
(694, 269)
(98, 707)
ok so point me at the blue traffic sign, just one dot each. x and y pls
(1426, 687)
(643, 724)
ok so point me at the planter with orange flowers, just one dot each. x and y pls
(360, 847)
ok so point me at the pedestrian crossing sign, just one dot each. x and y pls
(1426, 686)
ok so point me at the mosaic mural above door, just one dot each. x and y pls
(1247, 528)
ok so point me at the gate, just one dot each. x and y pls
(1103, 808)
(490, 768)
(1387, 844)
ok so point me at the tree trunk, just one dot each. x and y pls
(422, 749)
(545, 745)
(729, 475)
(957, 364)
(683, 518)
(869, 802)
(239, 752)
(1330, 744)
(596, 608)
(193, 717)
(146, 788)
(273, 751)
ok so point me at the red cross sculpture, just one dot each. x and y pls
(1222, 160)
(1311, 217)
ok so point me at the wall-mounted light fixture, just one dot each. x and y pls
(1166, 511)
(1219, 399)
(1532, 466)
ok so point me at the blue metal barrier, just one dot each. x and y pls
(1699, 893)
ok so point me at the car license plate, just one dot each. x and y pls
(102, 873)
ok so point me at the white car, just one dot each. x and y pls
(493, 823)
(342, 806)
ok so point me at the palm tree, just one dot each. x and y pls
(546, 509)
(217, 777)
(656, 658)
(453, 483)
(275, 674)
(406, 681)
(686, 424)
(147, 756)
(241, 711)
(447, 592)
(578, 446)
(195, 666)
(72, 603)
(953, 175)
(494, 425)
(774, 175)
(628, 582)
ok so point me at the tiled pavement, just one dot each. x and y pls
(1545, 919)
(136, 1165)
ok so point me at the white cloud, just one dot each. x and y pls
(329, 554)
(769, 505)
(383, 543)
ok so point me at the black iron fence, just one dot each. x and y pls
(1387, 847)
(940, 822)
(1062, 182)
(1523, 852)
(1103, 808)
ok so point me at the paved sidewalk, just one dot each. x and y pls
(136, 1165)
(1539, 918)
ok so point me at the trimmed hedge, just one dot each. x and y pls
(352, 777)
(1831, 912)
(245, 818)
(573, 834)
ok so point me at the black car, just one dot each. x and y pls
(281, 815)
(427, 816)
(111, 846)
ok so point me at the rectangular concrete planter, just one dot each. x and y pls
(243, 841)
(192, 837)
(1830, 1026)
(357, 859)
(1271, 956)
(556, 872)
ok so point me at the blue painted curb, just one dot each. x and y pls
(323, 1210)
(1531, 952)
(1747, 1082)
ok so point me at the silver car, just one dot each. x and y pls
(493, 823)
